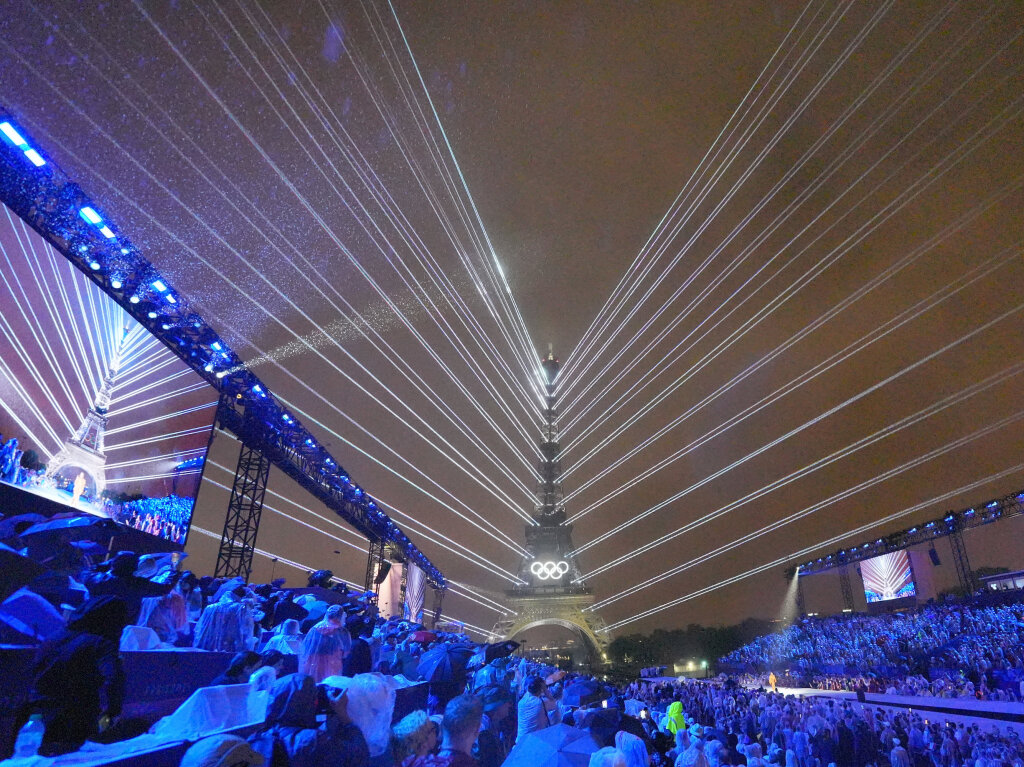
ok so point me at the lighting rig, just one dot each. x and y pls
(951, 525)
(39, 192)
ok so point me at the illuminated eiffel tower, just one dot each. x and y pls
(83, 452)
(554, 592)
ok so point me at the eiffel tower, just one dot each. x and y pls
(554, 592)
(84, 451)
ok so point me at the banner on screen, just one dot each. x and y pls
(888, 576)
(95, 412)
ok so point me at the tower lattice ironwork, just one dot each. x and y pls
(552, 591)
(84, 451)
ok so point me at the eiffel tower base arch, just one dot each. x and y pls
(566, 610)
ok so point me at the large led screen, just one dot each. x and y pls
(888, 577)
(95, 412)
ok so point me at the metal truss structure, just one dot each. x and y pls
(41, 194)
(238, 542)
(952, 525)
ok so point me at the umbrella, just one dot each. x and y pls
(60, 589)
(582, 693)
(444, 663)
(479, 659)
(555, 676)
(229, 585)
(10, 526)
(557, 746)
(28, 613)
(16, 570)
(90, 548)
(83, 523)
(402, 663)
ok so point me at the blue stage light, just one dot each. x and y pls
(90, 215)
(134, 299)
(216, 346)
(94, 265)
(991, 505)
(12, 135)
(159, 286)
(171, 299)
(105, 231)
(15, 138)
(152, 315)
(124, 251)
(116, 284)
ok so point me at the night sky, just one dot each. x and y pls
(825, 195)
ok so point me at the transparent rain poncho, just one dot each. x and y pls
(225, 626)
(324, 647)
(371, 702)
(166, 615)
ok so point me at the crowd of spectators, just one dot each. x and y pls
(331, 668)
(958, 650)
(722, 723)
(167, 517)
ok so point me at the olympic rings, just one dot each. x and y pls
(549, 570)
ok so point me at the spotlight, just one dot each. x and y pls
(94, 265)
(134, 299)
(152, 315)
(216, 346)
(90, 215)
(159, 286)
(15, 138)
(13, 135)
(116, 284)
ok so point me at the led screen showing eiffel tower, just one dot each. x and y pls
(95, 412)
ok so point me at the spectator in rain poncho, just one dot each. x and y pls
(121, 581)
(633, 749)
(898, 757)
(674, 719)
(79, 683)
(607, 757)
(694, 755)
(226, 625)
(291, 735)
(370, 704)
(325, 646)
(166, 615)
(287, 640)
